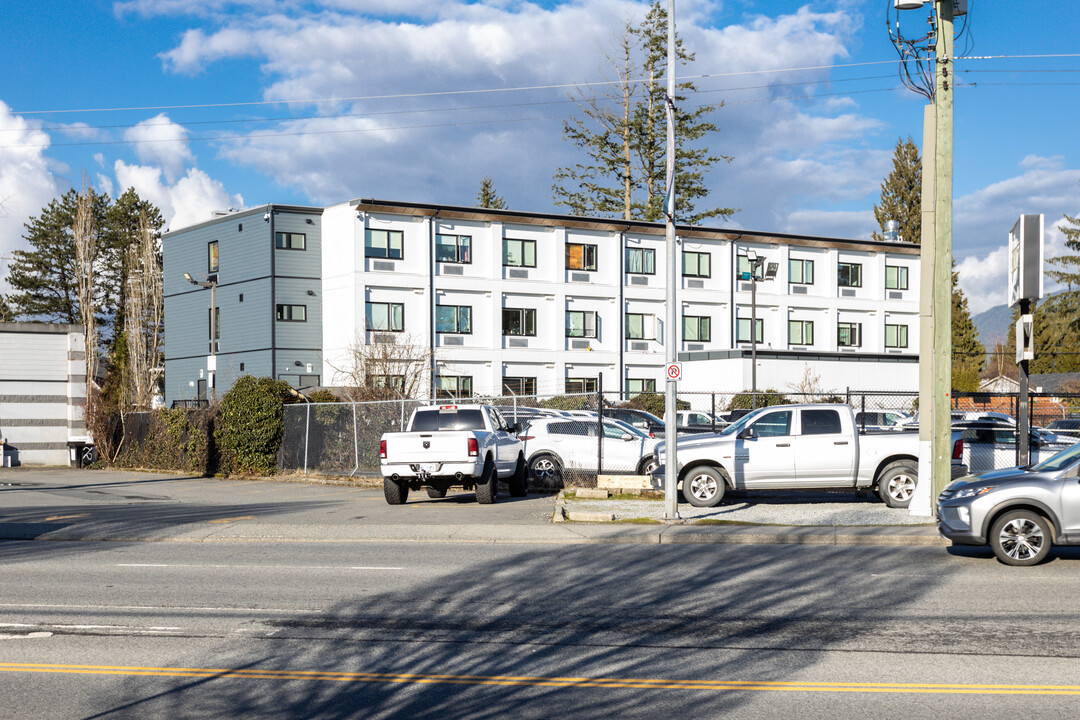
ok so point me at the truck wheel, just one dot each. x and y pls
(704, 487)
(647, 465)
(546, 471)
(1021, 537)
(487, 485)
(436, 493)
(897, 482)
(396, 493)
(519, 481)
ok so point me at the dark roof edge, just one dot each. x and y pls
(259, 210)
(431, 209)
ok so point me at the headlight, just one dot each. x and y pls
(971, 492)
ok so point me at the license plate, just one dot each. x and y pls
(430, 467)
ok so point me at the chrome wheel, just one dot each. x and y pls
(545, 468)
(1021, 539)
(902, 487)
(648, 466)
(704, 487)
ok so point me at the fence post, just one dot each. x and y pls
(599, 426)
(356, 439)
(307, 432)
(712, 414)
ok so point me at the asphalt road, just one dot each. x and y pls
(257, 628)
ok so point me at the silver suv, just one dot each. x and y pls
(1021, 512)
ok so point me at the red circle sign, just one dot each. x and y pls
(673, 371)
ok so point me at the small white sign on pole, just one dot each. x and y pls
(673, 371)
(1026, 259)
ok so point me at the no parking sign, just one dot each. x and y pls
(673, 371)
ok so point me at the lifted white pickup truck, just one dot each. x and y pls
(795, 447)
(445, 446)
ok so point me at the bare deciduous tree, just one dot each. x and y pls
(143, 319)
(85, 238)
(386, 367)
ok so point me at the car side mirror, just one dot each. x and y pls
(747, 434)
(627, 437)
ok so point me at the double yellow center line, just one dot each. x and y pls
(541, 681)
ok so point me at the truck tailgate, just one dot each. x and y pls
(424, 447)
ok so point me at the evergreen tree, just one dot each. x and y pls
(624, 135)
(1057, 337)
(487, 197)
(901, 194)
(43, 278)
(969, 355)
(1068, 272)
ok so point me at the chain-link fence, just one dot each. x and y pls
(566, 444)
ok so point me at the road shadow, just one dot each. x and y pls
(738, 614)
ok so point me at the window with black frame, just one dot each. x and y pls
(641, 261)
(519, 321)
(849, 275)
(453, 249)
(453, 319)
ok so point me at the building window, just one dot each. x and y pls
(742, 330)
(290, 241)
(580, 324)
(696, 328)
(452, 387)
(641, 261)
(636, 386)
(453, 319)
(519, 386)
(292, 313)
(519, 253)
(388, 244)
(580, 257)
(390, 382)
(581, 385)
(519, 321)
(212, 257)
(849, 275)
(640, 327)
(849, 334)
(800, 332)
(896, 336)
(696, 264)
(385, 316)
(453, 249)
(896, 277)
(801, 272)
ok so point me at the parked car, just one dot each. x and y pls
(697, 421)
(880, 419)
(638, 418)
(552, 445)
(990, 445)
(801, 447)
(1065, 426)
(444, 446)
(1019, 511)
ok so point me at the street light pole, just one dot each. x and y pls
(211, 361)
(755, 263)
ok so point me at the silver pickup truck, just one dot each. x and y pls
(445, 446)
(795, 447)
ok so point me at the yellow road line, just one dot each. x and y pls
(540, 681)
(65, 517)
(230, 519)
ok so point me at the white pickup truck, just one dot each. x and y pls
(794, 447)
(445, 446)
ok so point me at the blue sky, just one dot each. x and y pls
(240, 103)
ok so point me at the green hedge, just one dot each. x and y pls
(250, 424)
(165, 439)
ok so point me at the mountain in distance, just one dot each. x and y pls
(993, 325)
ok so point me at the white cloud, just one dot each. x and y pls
(26, 180)
(161, 141)
(189, 200)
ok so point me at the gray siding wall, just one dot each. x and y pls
(253, 277)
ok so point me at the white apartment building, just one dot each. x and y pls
(546, 304)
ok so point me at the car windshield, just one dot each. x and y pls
(737, 426)
(1062, 460)
(627, 427)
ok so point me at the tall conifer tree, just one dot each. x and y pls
(901, 194)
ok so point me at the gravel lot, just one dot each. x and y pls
(763, 507)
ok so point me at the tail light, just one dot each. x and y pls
(651, 434)
(526, 438)
(958, 450)
(474, 447)
(382, 449)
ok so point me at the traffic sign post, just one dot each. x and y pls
(673, 371)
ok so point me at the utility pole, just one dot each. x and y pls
(671, 332)
(944, 82)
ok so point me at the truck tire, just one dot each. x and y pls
(897, 482)
(436, 493)
(395, 492)
(519, 481)
(545, 470)
(487, 485)
(704, 486)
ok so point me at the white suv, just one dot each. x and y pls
(555, 445)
